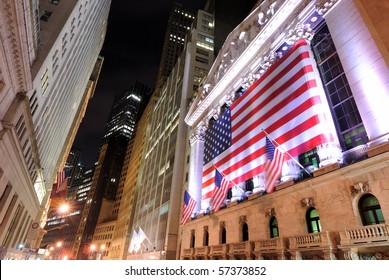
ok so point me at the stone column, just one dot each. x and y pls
(196, 166)
(290, 170)
(238, 192)
(329, 153)
(364, 65)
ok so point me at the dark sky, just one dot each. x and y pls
(131, 51)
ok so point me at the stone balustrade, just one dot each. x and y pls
(365, 235)
(321, 244)
(202, 252)
(312, 240)
(270, 245)
(188, 253)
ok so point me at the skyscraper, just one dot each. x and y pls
(51, 48)
(178, 26)
(161, 176)
(126, 110)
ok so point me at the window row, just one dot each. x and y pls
(368, 206)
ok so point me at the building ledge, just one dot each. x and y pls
(326, 169)
(284, 185)
(377, 149)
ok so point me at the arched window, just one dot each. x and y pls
(273, 227)
(313, 220)
(206, 238)
(192, 239)
(245, 232)
(223, 235)
(370, 210)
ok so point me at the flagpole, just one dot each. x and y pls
(229, 180)
(285, 151)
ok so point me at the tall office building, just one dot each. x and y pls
(178, 26)
(159, 182)
(126, 197)
(303, 81)
(125, 111)
(49, 50)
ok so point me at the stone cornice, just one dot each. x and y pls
(11, 35)
(247, 49)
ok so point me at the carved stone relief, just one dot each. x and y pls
(360, 188)
(307, 202)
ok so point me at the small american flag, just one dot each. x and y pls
(273, 165)
(222, 185)
(188, 207)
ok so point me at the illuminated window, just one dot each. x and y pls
(313, 220)
(344, 110)
(273, 227)
(370, 210)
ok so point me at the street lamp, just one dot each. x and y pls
(97, 254)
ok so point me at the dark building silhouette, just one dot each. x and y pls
(125, 112)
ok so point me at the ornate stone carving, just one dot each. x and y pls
(242, 219)
(270, 212)
(241, 39)
(216, 113)
(269, 60)
(249, 80)
(198, 133)
(329, 153)
(307, 202)
(13, 47)
(265, 15)
(300, 31)
(323, 6)
(231, 97)
(351, 255)
(360, 188)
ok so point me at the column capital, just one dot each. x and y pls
(198, 133)
(298, 32)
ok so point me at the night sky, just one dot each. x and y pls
(131, 51)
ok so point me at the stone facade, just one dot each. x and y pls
(334, 194)
(343, 178)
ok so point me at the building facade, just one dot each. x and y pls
(160, 181)
(125, 111)
(43, 42)
(178, 26)
(338, 211)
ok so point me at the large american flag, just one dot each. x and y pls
(286, 102)
(273, 165)
(222, 185)
(187, 208)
